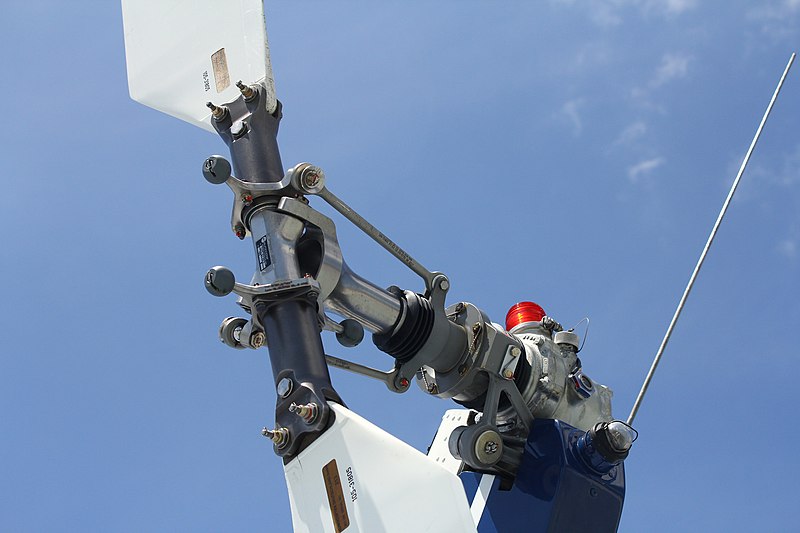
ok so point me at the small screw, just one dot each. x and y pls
(240, 231)
(257, 339)
(444, 285)
(247, 91)
(508, 373)
(515, 351)
(217, 112)
(307, 412)
(284, 387)
(280, 436)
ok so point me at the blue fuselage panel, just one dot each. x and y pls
(554, 490)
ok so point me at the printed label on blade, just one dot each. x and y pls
(333, 486)
(262, 253)
(220, 64)
(351, 483)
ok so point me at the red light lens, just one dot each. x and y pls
(523, 312)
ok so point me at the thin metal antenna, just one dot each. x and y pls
(688, 289)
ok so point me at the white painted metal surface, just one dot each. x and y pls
(479, 501)
(386, 485)
(440, 449)
(184, 53)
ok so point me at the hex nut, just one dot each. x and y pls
(284, 387)
(257, 339)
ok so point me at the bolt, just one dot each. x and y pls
(311, 177)
(240, 231)
(217, 112)
(284, 387)
(247, 91)
(515, 351)
(247, 199)
(257, 339)
(444, 285)
(238, 129)
(280, 436)
(488, 447)
(508, 373)
(307, 412)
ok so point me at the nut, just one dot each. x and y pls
(257, 339)
(284, 387)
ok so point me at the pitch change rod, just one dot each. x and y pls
(713, 234)
(376, 235)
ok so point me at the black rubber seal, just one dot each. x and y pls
(407, 337)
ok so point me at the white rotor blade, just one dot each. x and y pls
(184, 53)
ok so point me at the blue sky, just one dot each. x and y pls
(571, 153)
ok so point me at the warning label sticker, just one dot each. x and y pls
(262, 253)
(333, 486)
(219, 63)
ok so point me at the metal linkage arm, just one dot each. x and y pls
(311, 180)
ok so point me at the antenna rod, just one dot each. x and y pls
(693, 277)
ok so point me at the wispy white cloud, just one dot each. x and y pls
(789, 174)
(643, 168)
(570, 110)
(777, 20)
(672, 67)
(611, 13)
(783, 171)
(631, 133)
(674, 7)
(788, 248)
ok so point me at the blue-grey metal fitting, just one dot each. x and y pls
(216, 169)
(220, 281)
